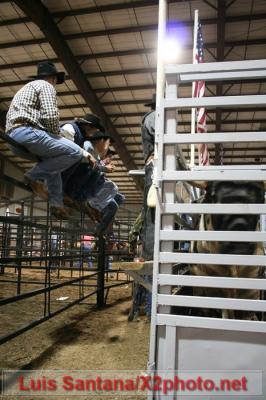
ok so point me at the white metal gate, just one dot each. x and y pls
(181, 342)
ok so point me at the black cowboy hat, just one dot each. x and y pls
(152, 103)
(100, 135)
(92, 120)
(47, 68)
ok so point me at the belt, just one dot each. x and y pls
(18, 124)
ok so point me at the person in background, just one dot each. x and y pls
(54, 249)
(107, 199)
(135, 237)
(33, 122)
(81, 181)
(141, 294)
(148, 140)
(81, 129)
(87, 247)
(86, 184)
(111, 246)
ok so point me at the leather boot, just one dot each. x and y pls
(108, 214)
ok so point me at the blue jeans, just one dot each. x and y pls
(104, 196)
(55, 153)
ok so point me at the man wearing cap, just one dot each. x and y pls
(148, 139)
(33, 122)
(107, 199)
(148, 213)
(80, 182)
(82, 128)
(86, 184)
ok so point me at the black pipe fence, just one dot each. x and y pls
(55, 255)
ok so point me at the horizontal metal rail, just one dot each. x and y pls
(41, 283)
(213, 102)
(136, 172)
(213, 236)
(202, 208)
(229, 66)
(211, 281)
(37, 292)
(221, 76)
(217, 137)
(28, 258)
(218, 175)
(212, 302)
(220, 259)
(211, 323)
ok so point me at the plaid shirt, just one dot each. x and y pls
(35, 104)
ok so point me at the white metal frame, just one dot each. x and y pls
(163, 340)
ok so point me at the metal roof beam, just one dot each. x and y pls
(120, 6)
(90, 10)
(81, 58)
(74, 36)
(89, 75)
(130, 87)
(42, 18)
(96, 90)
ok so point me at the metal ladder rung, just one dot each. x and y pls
(211, 323)
(223, 66)
(204, 208)
(212, 302)
(212, 102)
(211, 281)
(221, 76)
(219, 259)
(216, 175)
(224, 137)
(213, 236)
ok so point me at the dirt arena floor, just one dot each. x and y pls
(80, 338)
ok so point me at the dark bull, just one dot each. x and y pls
(230, 193)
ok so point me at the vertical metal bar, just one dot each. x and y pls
(193, 110)
(4, 229)
(20, 231)
(82, 265)
(168, 156)
(46, 262)
(160, 76)
(119, 231)
(159, 126)
(221, 14)
(71, 264)
(58, 247)
(100, 275)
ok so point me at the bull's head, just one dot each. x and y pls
(235, 193)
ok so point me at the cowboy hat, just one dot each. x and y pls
(47, 68)
(100, 135)
(91, 119)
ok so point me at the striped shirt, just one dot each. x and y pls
(36, 104)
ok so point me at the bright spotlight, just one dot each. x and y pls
(171, 50)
